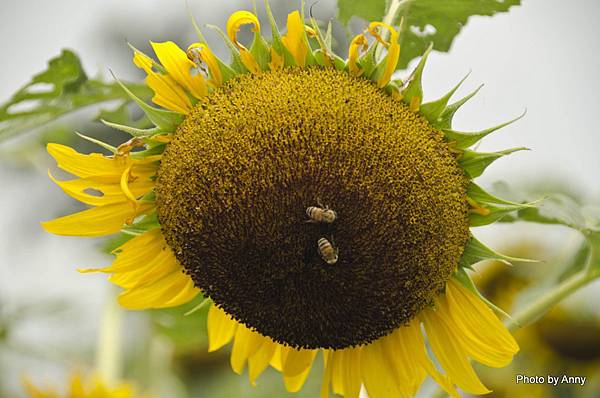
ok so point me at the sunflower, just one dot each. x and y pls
(317, 204)
(80, 387)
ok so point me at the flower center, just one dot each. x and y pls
(235, 183)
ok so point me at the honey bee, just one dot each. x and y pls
(328, 253)
(321, 214)
(193, 54)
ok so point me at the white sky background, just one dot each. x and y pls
(542, 56)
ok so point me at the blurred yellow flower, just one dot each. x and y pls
(80, 387)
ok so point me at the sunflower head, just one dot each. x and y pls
(319, 204)
(233, 189)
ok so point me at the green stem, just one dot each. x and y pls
(108, 354)
(548, 300)
(390, 18)
(392, 12)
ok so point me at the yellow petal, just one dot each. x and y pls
(185, 295)
(149, 272)
(200, 52)
(411, 342)
(295, 383)
(245, 344)
(143, 62)
(295, 361)
(221, 328)
(82, 165)
(160, 294)
(481, 334)
(377, 372)
(76, 386)
(107, 193)
(277, 60)
(276, 361)
(328, 365)
(476, 319)
(295, 39)
(359, 43)
(34, 392)
(346, 374)
(168, 93)
(98, 221)
(249, 61)
(235, 21)
(135, 253)
(450, 353)
(259, 361)
(393, 51)
(408, 376)
(178, 66)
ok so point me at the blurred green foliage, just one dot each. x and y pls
(425, 21)
(62, 88)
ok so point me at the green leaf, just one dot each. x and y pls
(134, 132)
(146, 223)
(465, 140)
(115, 242)
(496, 213)
(593, 266)
(236, 61)
(187, 333)
(414, 88)
(558, 209)
(62, 88)
(369, 10)
(497, 208)
(475, 251)
(427, 21)
(445, 120)
(163, 119)
(277, 42)
(475, 163)
(260, 51)
(478, 194)
(433, 110)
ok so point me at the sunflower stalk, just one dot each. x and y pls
(108, 354)
(590, 271)
(390, 18)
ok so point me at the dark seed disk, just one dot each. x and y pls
(235, 182)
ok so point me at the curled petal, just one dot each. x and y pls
(237, 20)
(393, 48)
(124, 183)
(359, 43)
